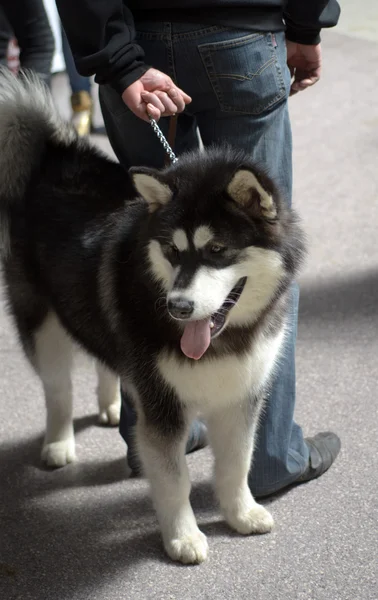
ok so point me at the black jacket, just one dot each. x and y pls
(102, 32)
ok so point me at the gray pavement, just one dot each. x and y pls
(85, 532)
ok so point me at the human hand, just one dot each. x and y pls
(305, 64)
(155, 94)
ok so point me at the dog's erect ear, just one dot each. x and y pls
(246, 190)
(150, 187)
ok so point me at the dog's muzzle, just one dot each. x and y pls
(198, 334)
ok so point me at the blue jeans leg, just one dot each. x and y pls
(239, 117)
(281, 454)
(78, 83)
(239, 83)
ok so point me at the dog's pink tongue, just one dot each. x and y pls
(196, 338)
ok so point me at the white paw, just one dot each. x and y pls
(189, 549)
(111, 414)
(59, 454)
(255, 520)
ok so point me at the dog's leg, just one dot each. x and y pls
(231, 434)
(108, 395)
(165, 466)
(53, 362)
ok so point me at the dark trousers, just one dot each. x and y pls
(26, 20)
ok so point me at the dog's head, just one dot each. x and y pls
(221, 241)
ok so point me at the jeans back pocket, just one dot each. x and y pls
(245, 73)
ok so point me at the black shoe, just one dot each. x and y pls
(197, 439)
(324, 448)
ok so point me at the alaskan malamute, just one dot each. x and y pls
(177, 281)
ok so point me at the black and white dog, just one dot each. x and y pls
(176, 281)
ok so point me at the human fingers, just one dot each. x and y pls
(154, 99)
(180, 96)
(153, 80)
(133, 99)
(169, 107)
(303, 80)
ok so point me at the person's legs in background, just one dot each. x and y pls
(31, 27)
(78, 83)
(81, 98)
(6, 34)
(247, 108)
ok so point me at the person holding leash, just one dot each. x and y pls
(227, 69)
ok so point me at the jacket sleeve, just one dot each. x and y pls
(305, 18)
(101, 34)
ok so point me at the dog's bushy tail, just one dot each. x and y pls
(28, 119)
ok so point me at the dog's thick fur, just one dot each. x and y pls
(177, 281)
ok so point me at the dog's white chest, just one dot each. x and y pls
(221, 381)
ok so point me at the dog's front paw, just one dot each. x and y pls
(111, 414)
(59, 454)
(255, 520)
(189, 549)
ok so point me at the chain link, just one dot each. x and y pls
(167, 148)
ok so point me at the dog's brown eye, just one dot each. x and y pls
(173, 249)
(216, 249)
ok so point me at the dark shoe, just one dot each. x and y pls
(324, 448)
(197, 439)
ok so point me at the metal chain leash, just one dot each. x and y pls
(163, 140)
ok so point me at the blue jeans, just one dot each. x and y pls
(78, 83)
(239, 83)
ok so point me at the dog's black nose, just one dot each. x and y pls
(180, 308)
